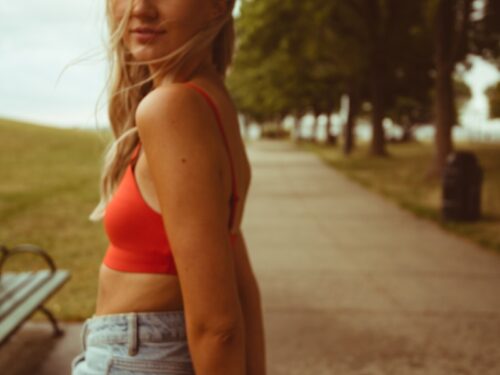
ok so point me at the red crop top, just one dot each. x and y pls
(137, 238)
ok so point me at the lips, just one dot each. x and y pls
(146, 35)
(147, 30)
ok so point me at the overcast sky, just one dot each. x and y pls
(39, 38)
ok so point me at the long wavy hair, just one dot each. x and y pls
(129, 81)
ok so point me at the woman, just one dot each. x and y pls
(187, 302)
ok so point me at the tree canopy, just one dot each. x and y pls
(296, 57)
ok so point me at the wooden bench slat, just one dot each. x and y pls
(23, 311)
(12, 277)
(10, 282)
(7, 276)
(34, 282)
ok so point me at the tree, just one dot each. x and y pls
(450, 23)
(388, 58)
(485, 30)
(494, 100)
(281, 65)
(460, 27)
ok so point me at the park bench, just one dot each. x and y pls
(23, 293)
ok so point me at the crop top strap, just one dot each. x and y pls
(234, 195)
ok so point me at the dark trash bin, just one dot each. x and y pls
(461, 193)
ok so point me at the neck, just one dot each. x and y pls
(189, 70)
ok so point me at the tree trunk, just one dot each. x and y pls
(297, 129)
(279, 126)
(445, 110)
(349, 140)
(315, 128)
(378, 113)
(407, 125)
(245, 123)
(331, 138)
(378, 78)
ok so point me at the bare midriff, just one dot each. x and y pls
(122, 292)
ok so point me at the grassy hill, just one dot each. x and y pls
(49, 186)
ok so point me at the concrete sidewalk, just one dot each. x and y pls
(34, 351)
(351, 283)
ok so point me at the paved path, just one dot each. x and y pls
(351, 283)
(33, 350)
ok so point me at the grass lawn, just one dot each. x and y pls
(400, 177)
(49, 187)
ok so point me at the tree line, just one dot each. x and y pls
(396, 58)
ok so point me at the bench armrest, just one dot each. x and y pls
(25, 248)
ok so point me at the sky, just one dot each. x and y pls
(39, 41)
(479, 78)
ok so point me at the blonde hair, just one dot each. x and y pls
(129, 81)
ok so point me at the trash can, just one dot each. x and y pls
(461, 188)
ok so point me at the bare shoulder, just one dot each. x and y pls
(175, 103)
(176, 114)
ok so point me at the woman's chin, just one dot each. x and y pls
(144, 54)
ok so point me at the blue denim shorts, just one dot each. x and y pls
(134, 343)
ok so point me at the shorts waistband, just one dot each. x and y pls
(174, 317)
(134, 327)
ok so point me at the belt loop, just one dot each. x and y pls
(132, 333)
(83, 335)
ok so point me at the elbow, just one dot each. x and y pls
(227, 337)
(214, 325)
(219, 335)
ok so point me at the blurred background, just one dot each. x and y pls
(383, 91)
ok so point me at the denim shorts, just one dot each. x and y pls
(134, 343)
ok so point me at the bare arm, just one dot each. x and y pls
(252, 310)
(183, 151)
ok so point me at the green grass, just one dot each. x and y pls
(49, 186)
(401, 178)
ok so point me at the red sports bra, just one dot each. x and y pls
(137, 238)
